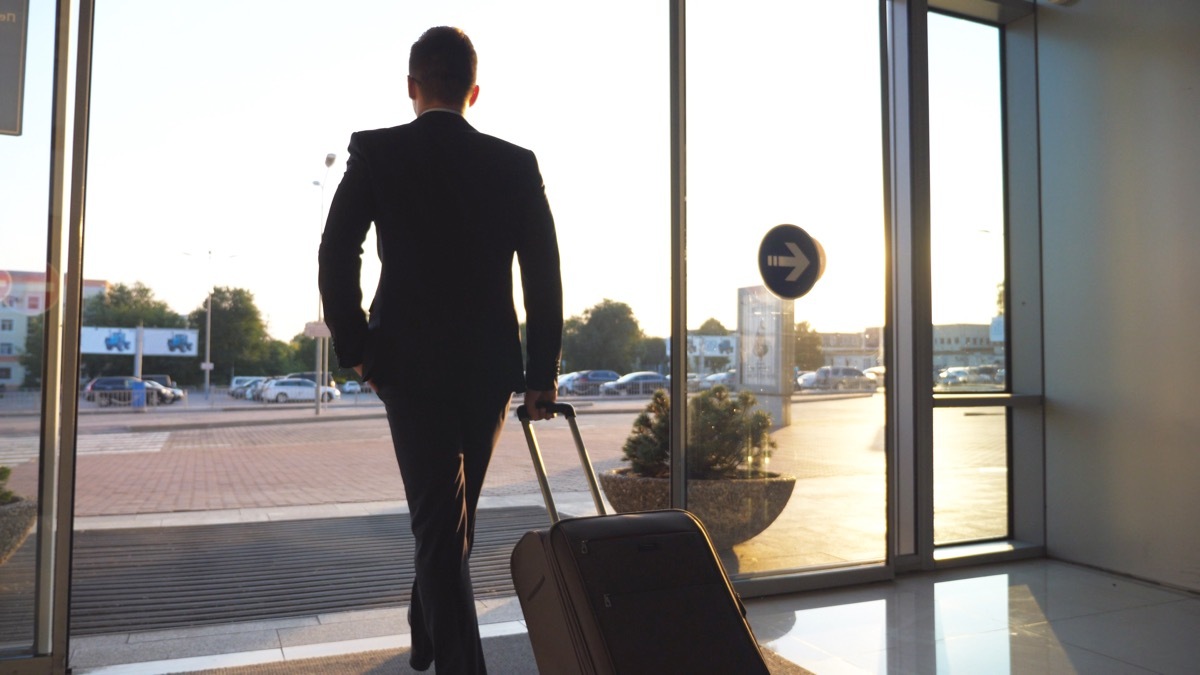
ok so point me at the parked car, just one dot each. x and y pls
(296, 389)
(994, 374)
(564, 382)
(727, 378)
(875, 373)
(693, 381)
(589, 381)
(164, 380)
(312, 375)
(118, 390)
(960, 375)
(110, 389)
(842, 377)
(351, 387)
(807, 380)
(642, 382)
(255, 390)
(244, 386)
(242, 380)
(160, 393)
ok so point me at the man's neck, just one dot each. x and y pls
(423, 107)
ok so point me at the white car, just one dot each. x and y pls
(564, 383)
(727, 378)
(807, 380)
(296, 389)
(351, 387)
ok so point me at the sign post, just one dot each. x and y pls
(790, 261)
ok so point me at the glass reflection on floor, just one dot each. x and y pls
(1036, 616)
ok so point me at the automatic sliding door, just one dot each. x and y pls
(783, 127)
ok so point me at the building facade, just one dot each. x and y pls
(23, 296)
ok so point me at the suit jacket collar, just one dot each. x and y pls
(441, 119)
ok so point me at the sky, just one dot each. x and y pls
(210, 124)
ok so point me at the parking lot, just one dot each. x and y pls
(165, 464)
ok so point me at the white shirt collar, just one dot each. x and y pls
(449, 110)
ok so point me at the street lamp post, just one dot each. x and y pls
(207, 366)
(322, 357)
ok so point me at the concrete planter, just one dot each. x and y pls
(16, 522)
(733, 510)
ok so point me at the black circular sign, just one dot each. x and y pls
(790, 261)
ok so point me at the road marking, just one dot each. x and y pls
(22, 449)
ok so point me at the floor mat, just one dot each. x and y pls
(155, 578)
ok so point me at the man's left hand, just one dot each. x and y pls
(533, 397)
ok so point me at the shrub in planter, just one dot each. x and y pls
(727, 438)
(728, 445)
(16, 518)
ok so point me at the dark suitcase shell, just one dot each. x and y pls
(628, 594)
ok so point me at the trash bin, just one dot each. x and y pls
(138, 396)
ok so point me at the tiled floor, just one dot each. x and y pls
(1036, 616)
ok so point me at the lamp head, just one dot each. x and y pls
(329, 160)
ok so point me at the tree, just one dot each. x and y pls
(124, 306)
(711, 327)
(279, 358)
(650, 353)
(606, 336)
(130, 306)
(239, 334)
(711, 364)
(31, 358)
(809, 355)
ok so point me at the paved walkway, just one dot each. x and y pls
(179, 466)
(239, 463)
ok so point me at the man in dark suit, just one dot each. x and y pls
(441, 344)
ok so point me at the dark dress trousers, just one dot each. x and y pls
(441, 341)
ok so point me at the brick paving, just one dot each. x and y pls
(130, 463)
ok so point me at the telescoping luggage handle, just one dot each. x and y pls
(566, 410)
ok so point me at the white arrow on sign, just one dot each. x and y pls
(797, 261)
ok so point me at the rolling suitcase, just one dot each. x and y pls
(629, 593)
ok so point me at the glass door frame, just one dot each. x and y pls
(60, 379)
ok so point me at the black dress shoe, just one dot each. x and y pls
(421, 656)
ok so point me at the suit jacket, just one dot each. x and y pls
(451, 208)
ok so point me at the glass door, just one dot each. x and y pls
(783, 128)
(37, 87)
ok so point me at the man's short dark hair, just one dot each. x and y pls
(443, 62)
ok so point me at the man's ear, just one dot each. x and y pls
(412, 88)
(473, 97)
